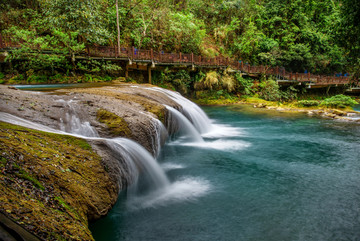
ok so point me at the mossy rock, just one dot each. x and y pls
(117, 125)
(52, 184)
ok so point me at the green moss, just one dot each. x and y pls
(54, 166)
(24, 175)
(3, 161)
(221, 97)
(68, 208)
(308, 103)
(117, 125)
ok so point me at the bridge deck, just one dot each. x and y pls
(154, 58)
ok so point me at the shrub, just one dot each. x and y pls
(338, 101)
(245, 84)
(289, 94)
(228, 82)
(308, 103)
(211, 80)
(19, 77)
(37, 79)
(269, 90)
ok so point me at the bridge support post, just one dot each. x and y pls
(149, 73)
(127, 71)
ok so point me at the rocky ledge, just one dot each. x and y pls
(53, 185)
(342, 115)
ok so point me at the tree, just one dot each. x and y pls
(350, 33)
(118, 27)
(84, 17)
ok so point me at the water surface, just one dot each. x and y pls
(272, 176)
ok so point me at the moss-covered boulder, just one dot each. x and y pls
(52, 184)
(117, 125)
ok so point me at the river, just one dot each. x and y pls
(262, 175)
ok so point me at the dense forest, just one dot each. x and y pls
(301, 35)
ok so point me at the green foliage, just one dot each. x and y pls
(338, 101)
(245, 85)
(212, 97)
(84, 17)
(34, 54)
(269, 90)
(38, 79)
(317, 36)
(308, 103)
(186, 33)
(211, 80)
(179, 80)
(1, 78)
(348, 33)
(19, 77)
(97, 67)
(290, 93)
(199, 76)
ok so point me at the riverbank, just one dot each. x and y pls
(342, 114)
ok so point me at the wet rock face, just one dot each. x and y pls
(51, 184)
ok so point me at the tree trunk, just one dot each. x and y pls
(118, 28)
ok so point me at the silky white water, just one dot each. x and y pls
(193, 112)
(140, 163)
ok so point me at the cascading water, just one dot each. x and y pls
(195, 114)
(160, 134)
(185, 128)
(140, 161)
(72, 123)
(148, 184)
(137, 159)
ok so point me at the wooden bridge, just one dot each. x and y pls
(148, 59)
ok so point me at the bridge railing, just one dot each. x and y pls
(219, 61)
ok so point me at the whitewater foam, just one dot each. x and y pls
(221, 145)
(171, 166)
(223, 130)
(184, 190)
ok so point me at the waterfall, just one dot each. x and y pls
(138, 160)
(185, 128)
(161, 134)
(147, 183)
(193, 112)
(72, 122)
